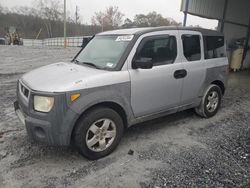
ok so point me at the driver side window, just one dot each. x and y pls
(161, 50)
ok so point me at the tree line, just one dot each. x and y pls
(45, 20)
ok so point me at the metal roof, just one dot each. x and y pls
(205, 8)
(140, 31)
(236, 11)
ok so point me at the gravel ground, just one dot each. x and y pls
(180, 150)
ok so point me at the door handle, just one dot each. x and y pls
(178, 74)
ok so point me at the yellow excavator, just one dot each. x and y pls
(12, 37)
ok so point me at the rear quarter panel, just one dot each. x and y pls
(216, 70)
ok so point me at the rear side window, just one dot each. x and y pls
(191, 47)
(214, 47)
(162, 50)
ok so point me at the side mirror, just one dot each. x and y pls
(142, 63)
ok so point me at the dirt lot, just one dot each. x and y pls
(181, 150)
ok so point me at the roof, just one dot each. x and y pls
(130, 31)
(140, 31)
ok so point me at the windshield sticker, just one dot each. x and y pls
(124, 38)
(110, 65)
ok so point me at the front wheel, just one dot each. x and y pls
(210, 103)
(98, 132)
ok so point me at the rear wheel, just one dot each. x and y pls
(210, 103)
(98, 133)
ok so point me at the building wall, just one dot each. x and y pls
(238, 11)
(232, 32)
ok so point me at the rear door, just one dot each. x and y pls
(193, 63)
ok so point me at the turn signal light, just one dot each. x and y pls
(74, 97)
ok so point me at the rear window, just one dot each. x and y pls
(191, 47)
(214, 47)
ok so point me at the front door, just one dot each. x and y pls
(158, 89)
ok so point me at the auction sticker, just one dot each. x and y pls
(110, 65)
(124, 38)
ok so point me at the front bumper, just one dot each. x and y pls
(53, 128)
(38, 130)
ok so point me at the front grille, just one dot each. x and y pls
(24, 90)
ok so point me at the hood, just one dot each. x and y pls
(60, 77)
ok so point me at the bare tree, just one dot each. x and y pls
(98, 19)
(111, 18)
(1, 9)
(51, 11)
(24, 10)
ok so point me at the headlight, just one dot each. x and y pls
(43, 104)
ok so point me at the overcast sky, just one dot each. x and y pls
(168, 8)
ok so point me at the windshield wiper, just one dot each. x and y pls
(90, 64)
(87, 63)
(75, 61)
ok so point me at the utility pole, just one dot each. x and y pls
(64, 30)
(185, 13)
(77, 15)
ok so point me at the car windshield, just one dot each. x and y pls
(104, 52)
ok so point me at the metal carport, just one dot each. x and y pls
(233, 17)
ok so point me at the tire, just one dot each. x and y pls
(105, 122)
(206, 109)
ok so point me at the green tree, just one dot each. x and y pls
(128, 23)
(152, 19)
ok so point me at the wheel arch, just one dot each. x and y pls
(109, 104)
(220, 84)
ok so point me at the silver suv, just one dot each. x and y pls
(121, 78)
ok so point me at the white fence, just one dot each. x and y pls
(59, 41)
(31, 42)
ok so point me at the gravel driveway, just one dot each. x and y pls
(180, 150)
